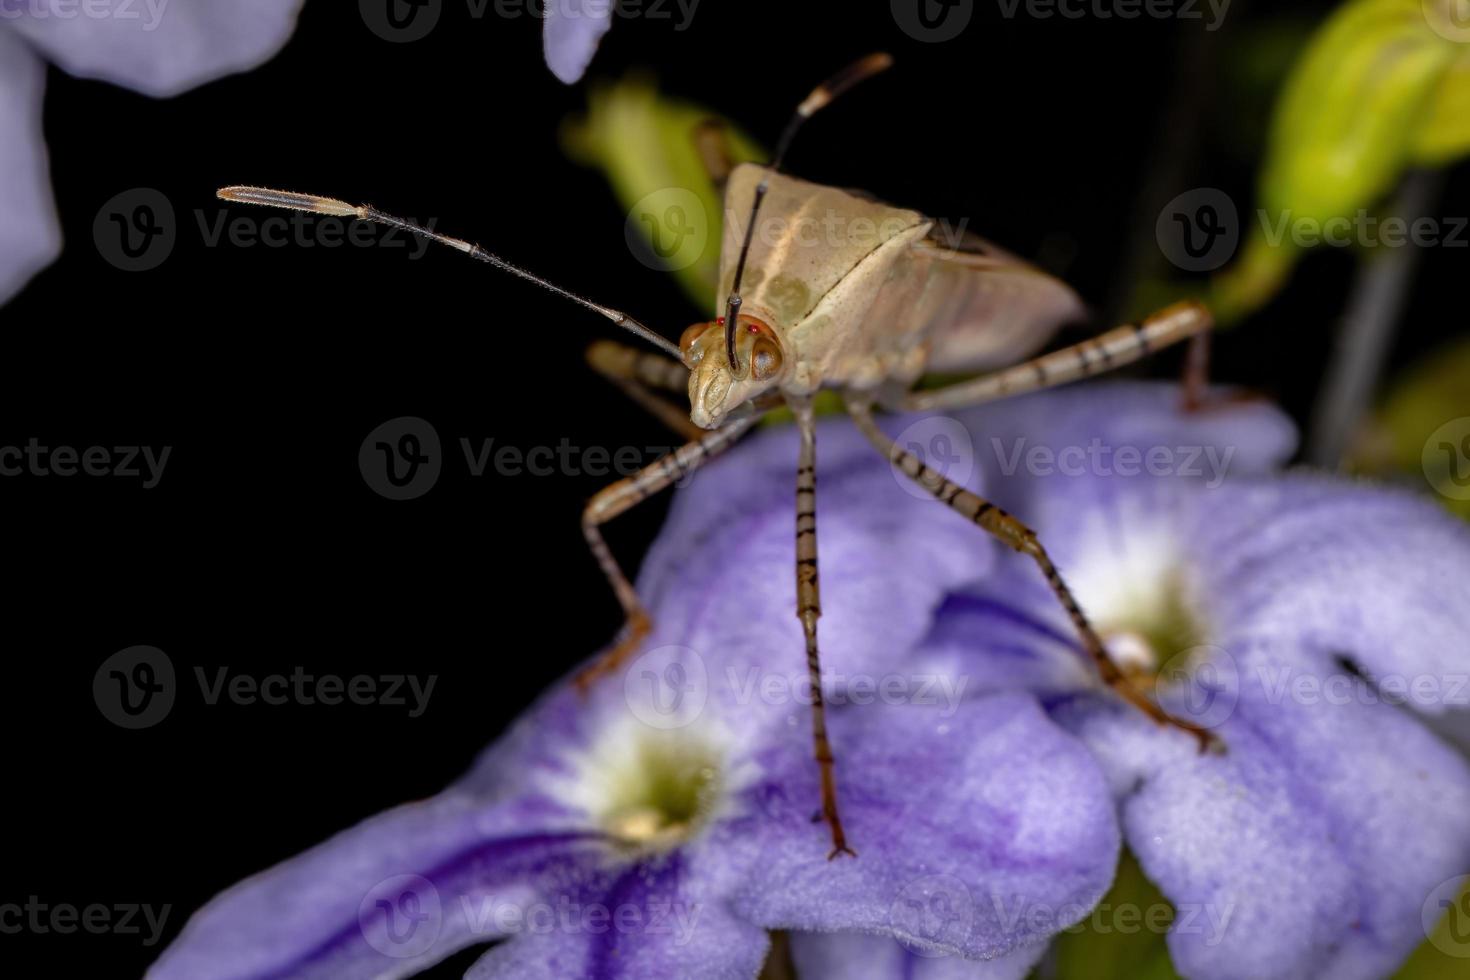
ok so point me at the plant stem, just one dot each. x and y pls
(1375, 304)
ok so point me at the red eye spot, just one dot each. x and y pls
(720, 320)
(753, 327)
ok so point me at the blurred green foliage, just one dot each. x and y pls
(1123, 937)
(1432, 392)
(1382, 86)
(644, 143)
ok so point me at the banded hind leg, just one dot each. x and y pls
(1105, 352)
(1013, 533)
(809, 609)
(617, 499)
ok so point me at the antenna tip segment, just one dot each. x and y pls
(287, 199)
(859, 71)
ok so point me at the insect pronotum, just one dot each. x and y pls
(865, 314)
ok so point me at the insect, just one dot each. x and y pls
(866, 311)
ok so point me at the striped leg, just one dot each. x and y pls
(622, 496)
(809, 608)
(1022, 539)
(1105, 352)
(638, 373)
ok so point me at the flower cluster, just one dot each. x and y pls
(662, 826)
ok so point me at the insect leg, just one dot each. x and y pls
(636, 372)
(619, 498)
(1021, 538)
(1102, 353)
(809, 608)
(1197, 372)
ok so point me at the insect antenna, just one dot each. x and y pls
(366, 212)
(821, 96)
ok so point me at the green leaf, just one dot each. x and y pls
(1444, 135)
(1377, 89)
(1123, 938)
(1420, 402)
(1351, 108)
(644, 143)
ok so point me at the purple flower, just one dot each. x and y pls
(1312, 623)
(158, 47)
(570, 36)
(661, 827)
(1283, 612)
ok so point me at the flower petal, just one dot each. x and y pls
(160, 47)
(1379, 577)
(387, 898)
(1311, 846)
(1307, 850)
(849, 956)
(1123, 432)
(721, 576)
(646, 926)
(30, 238)
(978, 832)
(571, 34)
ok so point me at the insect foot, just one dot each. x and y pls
(634, 632)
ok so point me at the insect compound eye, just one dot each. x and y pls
(687, 340)
(765, 359)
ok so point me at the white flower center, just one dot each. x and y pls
(650, 790)
(1141, 596)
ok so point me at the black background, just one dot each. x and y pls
(264, 368)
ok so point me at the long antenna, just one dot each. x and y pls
(366, 212)
(821, 96)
